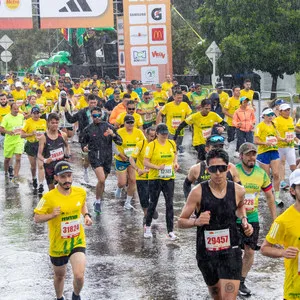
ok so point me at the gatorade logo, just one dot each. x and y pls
(12, 4)
(156, 14)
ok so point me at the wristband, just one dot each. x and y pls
(244, 217)
(87, 214)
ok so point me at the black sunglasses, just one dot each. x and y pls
(220, 168)
(131, 108)
(129, 122)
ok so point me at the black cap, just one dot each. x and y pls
(162, 128)
(215, 139)
(129, 87)
(128, 118)
(35, 109)
(62, 167)
(219, 85)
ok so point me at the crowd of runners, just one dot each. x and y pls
(140, 132)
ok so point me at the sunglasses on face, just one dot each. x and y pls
(96, 115)
(270, 115)
(131, 109)
(220, 168)
(129, 122)
(216, 139)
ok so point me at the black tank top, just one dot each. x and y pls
(204, 175)
(54, 148)
(222, 217)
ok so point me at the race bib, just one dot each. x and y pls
(17, 130)
(176, 122)
(289, 136)
(19, 102)
(148, 117)
(272, 140)
(128, 151)
(217, 240)
(206, 133)
(57, 154)
(70, 229)
(166, 172)
(249, 202)
(49, 102)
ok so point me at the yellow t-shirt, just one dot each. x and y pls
(40, 126)
(65, 231)
(231, 105)
(26, 80)
(51, 97)
(138, 121)
(4, 111)
(19, 97)
(134, 96)
(109, 91)
(139, 154)
(41, 103)
(78, 92)
(264, 132)
(166, 86)
(175, 114)
(223, 98)
(81, 103)
(129, 141)
(160, 97)
(249, 94)
(202, 126)
(286, 130)
(161, 154)
(285, 232)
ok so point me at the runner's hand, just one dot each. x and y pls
(56, 212)
(161, 167)
(203, 219)
(124, 158)
(48, 160)
(290, 252)
(176, 167)
(248, 229)
(220, 129)
(109, 131)
(88, 221)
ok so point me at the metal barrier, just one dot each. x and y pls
(288, 94)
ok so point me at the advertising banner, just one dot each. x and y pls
(15, 14)
(147, 40)
(120, 31)
(76, 13)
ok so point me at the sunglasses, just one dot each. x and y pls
(131, 108)
(96, 115)
(216, 139)
(220, 168)
(129, 122)
(270, 115)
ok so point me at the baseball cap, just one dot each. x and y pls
(284, 106)
(215, 139)
(63, 94)
(86, 92)
(128, 118)
(158, 86)
(267, 111)
(129, 87)
(219, 85)
(279, 101)
(117, 91)
(67, 75)
(35, 109)
(46, 78)
(62, 167)
(18, 84)
(242, 99)
(162, 128)
(247, 147)
(295, 177)
(47, 84)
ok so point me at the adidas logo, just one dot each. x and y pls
(76, 6)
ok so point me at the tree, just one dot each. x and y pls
(262, 35)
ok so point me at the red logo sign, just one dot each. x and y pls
(157, 34)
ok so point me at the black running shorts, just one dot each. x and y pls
(63, 260)
(96, 162)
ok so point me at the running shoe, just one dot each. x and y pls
(34, 183)
(284, 185)
(97, 207)
(147, 232)
(13, 183)
(279, 203)
(155, 215)
(127, 205)
(11, 172)
(244, 291)
(41, 189)
(75, 297)
(62, 298)
(86, 177)
(144, 220)
(172, 236)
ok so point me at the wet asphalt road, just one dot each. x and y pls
(121, 264)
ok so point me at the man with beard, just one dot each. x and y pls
(62, 208)
(254, 179)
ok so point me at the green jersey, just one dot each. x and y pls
(257, 180)
(149, 109)
(15, 124)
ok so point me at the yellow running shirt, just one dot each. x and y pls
(65, 231)
(285, 232)
(39, 126)
(4, 111)
(286, 130)
(159, 155)
(202, 126)
(138, 121)
(160, 97)
(248, 94)
(175, 114)
(231, 105)
(129, 141)
(139, 154)
(266, 132)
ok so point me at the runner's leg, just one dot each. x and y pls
(78, 262)
(59, 279)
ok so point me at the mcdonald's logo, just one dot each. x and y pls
(157, 34)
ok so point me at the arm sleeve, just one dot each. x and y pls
(187, 186)
(180, 127)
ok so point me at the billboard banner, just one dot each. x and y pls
(147, 42)
(76, 13)
(121, 47)
(15, 14)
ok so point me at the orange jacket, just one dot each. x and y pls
(244, 119)
(120, 108)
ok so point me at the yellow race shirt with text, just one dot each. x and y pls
(231, 105)
(139, 154)
(160, 97)
(129, 141)
(138, 121)
(39, 126)
(4, 111)
(285, 231)
(286, 129)
(265, 132)
(65, 231)
(175, 114)
(159, 154)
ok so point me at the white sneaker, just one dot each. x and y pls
(236, 154)
(172, 236)
(127, 205)
(118, 193)
(147, 232)
(86, 177)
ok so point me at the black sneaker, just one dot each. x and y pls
(75, 297)
(34, 183)
(244, 291)
(11, 172)
(41, 189)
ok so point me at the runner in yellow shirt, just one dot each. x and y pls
(246, 91)
(62, 209)
(50, 96)
(285, 232)
(19, 94)
(167, 85)
(160, 97)
(125, 172)
(130, 110)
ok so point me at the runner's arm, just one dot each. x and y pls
(43, 218)
(239, 197)
(270, 250)
(67, 151)
(225, 112)
(235, 174)
(42, 142)
(159, 118)
(179, 128)
(271, 202)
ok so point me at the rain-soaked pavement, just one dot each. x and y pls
(121, 264)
